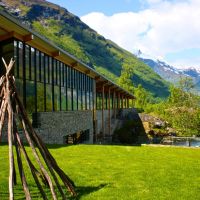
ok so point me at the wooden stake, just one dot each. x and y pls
(31, 167)
(10, 132)
(20, 166)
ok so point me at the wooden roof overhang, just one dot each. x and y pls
(11, 28)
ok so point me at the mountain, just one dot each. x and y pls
(172, 74)
(71, 34)
(166, 71)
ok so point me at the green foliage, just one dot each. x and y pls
(181, 109)
(141, 96)
(186, 84)
(64, 41)
(106, 73)
(125, 78)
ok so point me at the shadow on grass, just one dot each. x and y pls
(57, 146)
(85, 190)
(49, 146)
(19, 193)
(3, 144)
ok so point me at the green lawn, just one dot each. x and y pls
(121, 172)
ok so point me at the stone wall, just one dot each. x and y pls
(54, 126)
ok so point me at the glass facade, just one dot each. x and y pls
(114, 103)
(44, 83)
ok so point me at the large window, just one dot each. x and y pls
(44, 83)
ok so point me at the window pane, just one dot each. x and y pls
(50, 70)
(16, 58)
(30, 97)
(19, 85)
(7, 51)
(27, 62)
(88, 100)
(69, 99)
(63, 98)
(40, 97)
(79, 100)
(42, 68)
(56, 98)
(74, 99)
(20, 60)
(48, 97)
(32, 63)
(37, 66)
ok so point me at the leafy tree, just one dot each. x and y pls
(186, 84)
(125, 80)
(182, 108)
(141, 96)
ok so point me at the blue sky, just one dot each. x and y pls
(108, 7)
(162, 29)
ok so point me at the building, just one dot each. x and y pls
(67, 101)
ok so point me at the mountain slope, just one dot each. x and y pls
(71, 34)
(172, 74)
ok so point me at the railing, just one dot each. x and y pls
(182, 141)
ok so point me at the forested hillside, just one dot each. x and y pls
(71, 34)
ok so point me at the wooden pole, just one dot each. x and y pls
(2, 119)
(103, 112)
(20, 166)
(114, 103)
(109, 116)
(31, 167)
(128, 102)
(10, 142)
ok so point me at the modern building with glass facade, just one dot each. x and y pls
(67, 101)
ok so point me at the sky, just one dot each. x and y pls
(168, 30)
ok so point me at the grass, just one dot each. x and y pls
(121, 172)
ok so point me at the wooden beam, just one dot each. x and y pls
(113, 87)
(3, 29)
(28, 37)
(11, 34)
(18, 36)
(102, 83)
(55, 54)
(97, 78)
(74, 64)
(87, 71)
(7, 36)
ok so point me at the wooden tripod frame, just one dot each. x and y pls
(11, 112)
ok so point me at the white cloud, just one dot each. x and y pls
(153, 1)
(164, 28)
